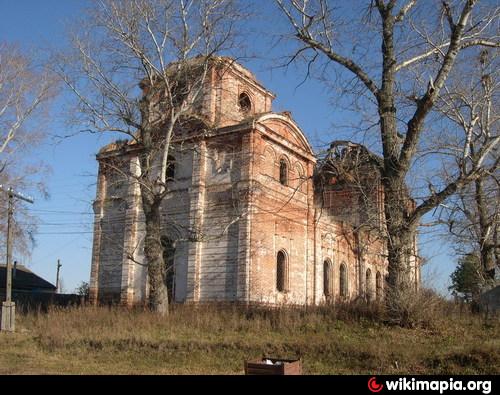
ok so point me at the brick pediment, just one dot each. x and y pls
(283, 127)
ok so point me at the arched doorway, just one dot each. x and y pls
(378, 285)
(169, 261)
(368, 286)
(343, 281)
(328, 279)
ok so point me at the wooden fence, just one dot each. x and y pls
(29, 301)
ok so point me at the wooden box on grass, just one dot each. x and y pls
(280, 367)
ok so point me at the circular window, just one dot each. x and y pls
(245, 103)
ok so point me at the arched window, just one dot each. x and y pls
(283, 172)
(378, 285)
(368, 285)
(245, 103)
(282, 272)
(327, 278)
(170, 174)
(269, 162)
(169, 261)
(343, 280)
(301, 180)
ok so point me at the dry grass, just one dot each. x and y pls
(216, 340)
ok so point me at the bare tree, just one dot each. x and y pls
(23, 91)
(473, 216)
(473, 222)
(166, 47)
(394, 58)
(26, 90)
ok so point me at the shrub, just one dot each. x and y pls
(415, 308)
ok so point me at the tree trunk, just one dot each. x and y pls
(496, 249)
(400, 234)
(485, 245)
(151, 202)
(153, 252)
(400, 285)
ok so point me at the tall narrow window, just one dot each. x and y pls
(343, 281)
(170, 175)
(327, 278)
(245, 103)
(368, 285)
(378, 284)
(283, 172)
(281, 272)
(169, 261)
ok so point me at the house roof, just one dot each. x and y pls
(25, 280)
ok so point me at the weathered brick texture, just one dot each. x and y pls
(241, 194)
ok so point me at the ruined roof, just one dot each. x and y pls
(242, 70)
(116, 145)
(221, 61)
(344, 158)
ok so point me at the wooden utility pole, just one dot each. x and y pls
(8, 288)
(8, 319)
(57, 275)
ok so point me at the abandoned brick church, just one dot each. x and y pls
(252, 214)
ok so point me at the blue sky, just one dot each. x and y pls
(66, 217)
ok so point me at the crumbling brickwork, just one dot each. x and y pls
(244, 219)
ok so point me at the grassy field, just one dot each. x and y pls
(210, 340)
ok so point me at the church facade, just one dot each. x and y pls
(245, 219)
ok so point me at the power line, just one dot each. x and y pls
(62, 212)
(68, 233)
(59, 249)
